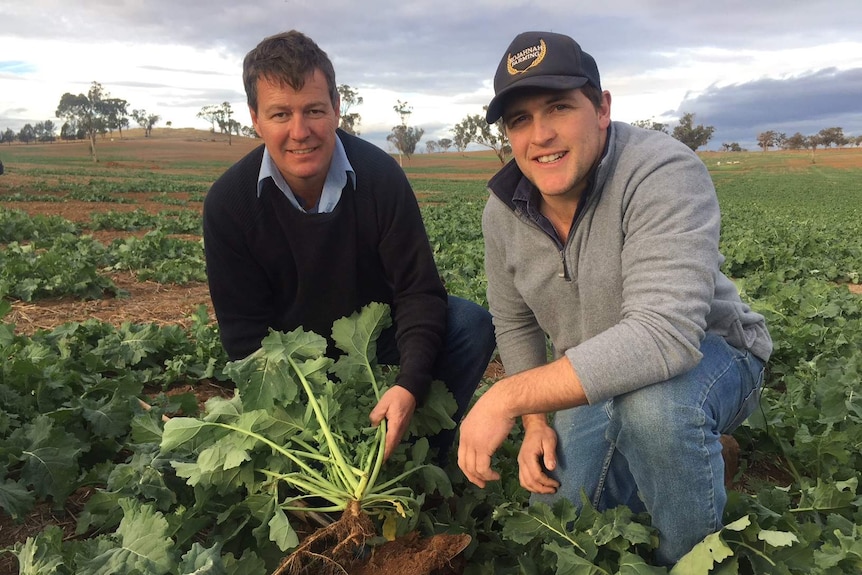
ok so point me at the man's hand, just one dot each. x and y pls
(396, 406)
(538, 453)
(483, 430)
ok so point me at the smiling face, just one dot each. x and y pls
(557, 137)
(298, 128)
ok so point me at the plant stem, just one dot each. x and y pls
(345, 469)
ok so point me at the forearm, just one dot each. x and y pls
(538, 391)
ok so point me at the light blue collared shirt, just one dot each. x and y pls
(336, 179)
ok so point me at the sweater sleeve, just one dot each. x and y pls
(238, 285)
(419, 298)
(670, 260)
(520, 340)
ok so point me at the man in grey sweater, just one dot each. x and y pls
(603, 238)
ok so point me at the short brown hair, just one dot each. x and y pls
(593, 94)
(286, 58)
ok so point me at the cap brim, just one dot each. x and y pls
(495, 108)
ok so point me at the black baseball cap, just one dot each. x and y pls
(541, 60)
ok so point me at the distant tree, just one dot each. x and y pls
(146, 121)
(830, 136)
(404, 137)
(477, 130)
(27, 134)
(766, 140)
(249, 132)
(795, 142)
(210, 114)
(8, 136)
(857, 141)
(732, 147)
(349, 120)
(44, 131)
(781, 140)
(89, 113)
(169, 123)
(224, 119)
(651, 125)
(692, 136)
(431, 146)
(70, 131)
(811, 143)
(461, 136)
(445, 144)
(116, 115)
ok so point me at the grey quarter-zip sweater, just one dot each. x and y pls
(631, 294)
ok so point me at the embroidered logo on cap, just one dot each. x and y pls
(531, 56)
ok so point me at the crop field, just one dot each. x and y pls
(109, 354)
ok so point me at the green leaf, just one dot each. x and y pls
(356, 335)
(569, 562)
(42, 554)
(144, 544)
(15, 499)
(631, 564)
(777, 538)
(281, 532)
(50, 457)
(202, 561)
(540, 520)
(181, 430)
(703, 556)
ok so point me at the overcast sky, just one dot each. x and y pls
(743, 66)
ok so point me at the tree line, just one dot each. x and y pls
(85, 117)
(97, 113)
(826, 138)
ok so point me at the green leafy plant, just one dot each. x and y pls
(292, 438)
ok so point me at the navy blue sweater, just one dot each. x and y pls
(271, 266)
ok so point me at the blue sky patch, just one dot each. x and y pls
(16, 67)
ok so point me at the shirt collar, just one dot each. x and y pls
(336, 178)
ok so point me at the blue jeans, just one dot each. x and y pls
(461, 363)
(657, 448)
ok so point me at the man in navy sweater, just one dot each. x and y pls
(316, 223)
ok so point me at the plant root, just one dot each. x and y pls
(332, 549)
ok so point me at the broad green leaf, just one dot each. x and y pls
(357, 334)
(435, 414)
(631, 564)
(202, 561)
(541, 520)
(146, 428)
(281, 532)
(704, 556)
(50, 457)
(42, 554)
(569, 562)
(269, 382)
(144, 544)
(778, 538)
(248, 564)
(108, 417)
(181, 430)
(15, 499)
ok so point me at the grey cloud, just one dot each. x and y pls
(805, 103)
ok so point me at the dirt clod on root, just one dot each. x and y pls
(414, 555)
(330, 550)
